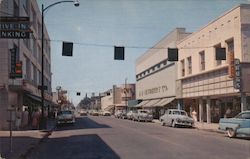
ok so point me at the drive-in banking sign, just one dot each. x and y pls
(15, 27)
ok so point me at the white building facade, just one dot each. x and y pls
(24, 91)
(156, 76)
(205, 84)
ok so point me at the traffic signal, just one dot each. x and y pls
(172, 54)
(19, 72)
(67, 49)
(220, 53)
(78, 93)
(119, 53)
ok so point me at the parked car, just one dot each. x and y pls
(175, 117)
(83, 112)
(237, 126)
(121, 114)
(143, 115)
(65, 116)
(94, 113)
(130, 114)
(106, 113)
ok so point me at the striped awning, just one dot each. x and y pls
(142, 103)
(152, 103)
(165, 101)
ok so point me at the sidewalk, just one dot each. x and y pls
(23, 141)
(212, 127)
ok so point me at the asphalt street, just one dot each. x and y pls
(98, 137)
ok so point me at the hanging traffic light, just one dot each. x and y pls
(67, 49)
(119, 53)
(220, 53)
(172, 54)
(78, 93)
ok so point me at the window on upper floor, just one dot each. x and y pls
(34, 20)
(16, 10)
(182, 68)
(189, 65)
(26, 6)
(202, 60)
(217, 62)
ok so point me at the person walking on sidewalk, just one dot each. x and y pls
(25, 118)
(35, 119)
(194, 115)
(18, 118)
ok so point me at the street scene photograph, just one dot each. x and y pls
(124, 79)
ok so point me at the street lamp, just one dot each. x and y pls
(76, 3)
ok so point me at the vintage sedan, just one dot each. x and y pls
(176, 117)
(130, 114)
(237, 126)
(143, 115)
(65, 117)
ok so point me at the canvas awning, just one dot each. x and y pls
(165, 101)
(142, 103)
(152, 103)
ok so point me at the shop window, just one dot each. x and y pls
(202, 60)
(189, 62)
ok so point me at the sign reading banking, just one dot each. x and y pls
(15, 27)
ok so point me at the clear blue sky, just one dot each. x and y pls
(139, 23)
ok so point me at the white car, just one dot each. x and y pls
(143, 115)
(130, 114)
(106, 113)
(176, 117)
(65, 117)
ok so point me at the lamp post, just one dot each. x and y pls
(76, 3)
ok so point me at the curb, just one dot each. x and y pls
(34, 146)
(210, 130)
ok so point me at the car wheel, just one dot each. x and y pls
(162, 123)
(173, 124)
(139, 120)
(231, 133)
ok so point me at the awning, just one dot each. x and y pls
(38, 99)
(165, 101)
(110, 107)
(152, 103)
(142, 103)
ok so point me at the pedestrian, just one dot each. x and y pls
(25, 118)
(35, 119)
(227, 113)
(18, 118)
(194, 115)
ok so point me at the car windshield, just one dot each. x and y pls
(179, 113)
(65, 113)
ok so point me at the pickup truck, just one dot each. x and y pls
(237, 126)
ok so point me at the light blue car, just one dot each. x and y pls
(237, 126)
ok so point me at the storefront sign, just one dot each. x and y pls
(154, 90)
(237, 79)
(15, 27)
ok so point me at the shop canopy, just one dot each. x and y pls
(151, 103)
(142, 103)
(165, 101)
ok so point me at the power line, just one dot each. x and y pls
(126, 46)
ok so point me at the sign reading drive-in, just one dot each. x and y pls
(15, 27)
